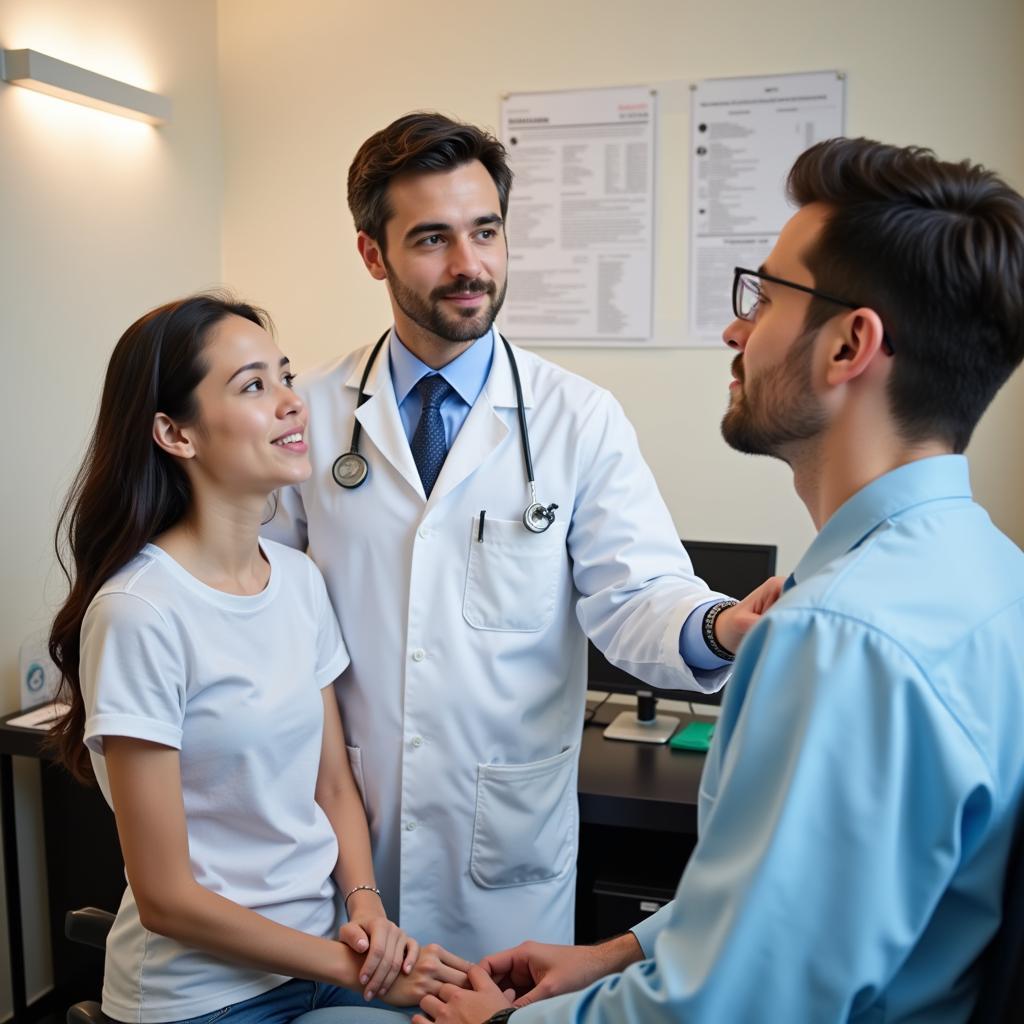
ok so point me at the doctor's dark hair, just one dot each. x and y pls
(937, 250)
(418, 143)
(128, 489)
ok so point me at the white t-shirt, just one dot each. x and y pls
(234, 683)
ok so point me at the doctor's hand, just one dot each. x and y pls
(537, 970)
(454, 1005)
(435, 969)
(734, 623)
(388, 949)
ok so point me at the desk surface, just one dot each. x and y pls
(20, 742)
(638, 785)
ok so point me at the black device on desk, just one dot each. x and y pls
(733, 569)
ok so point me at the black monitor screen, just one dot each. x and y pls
(733, 569)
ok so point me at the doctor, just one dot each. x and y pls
(460, 586)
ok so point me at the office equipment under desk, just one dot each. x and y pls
(638, 826)
(82, 863)
(638, 823)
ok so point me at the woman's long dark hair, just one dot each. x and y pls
(128, 489)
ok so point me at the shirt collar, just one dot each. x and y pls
(937, 478)
(467, 373)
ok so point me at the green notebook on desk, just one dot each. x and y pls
(695, 736)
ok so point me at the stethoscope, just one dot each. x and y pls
(351, 469)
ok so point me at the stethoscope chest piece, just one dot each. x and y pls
(537, 517)
(350, 470)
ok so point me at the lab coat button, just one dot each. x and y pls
(423, 532)
(419, 654)
(417, 741)
(410, 826)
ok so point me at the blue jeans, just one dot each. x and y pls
(294, 998)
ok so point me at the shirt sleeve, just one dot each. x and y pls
(332, 657)
(692, 645)
(635, 578)
(132, 671)
(840, 795)
(648, 930)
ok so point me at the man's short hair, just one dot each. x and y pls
(418, 143)
(937, 250)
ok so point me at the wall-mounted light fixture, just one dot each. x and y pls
(37, 71)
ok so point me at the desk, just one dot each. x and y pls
(638, 822)
(83, 867)
(638, 785)
(638, 826)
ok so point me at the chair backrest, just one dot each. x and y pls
(91, 927)
(1002, 978)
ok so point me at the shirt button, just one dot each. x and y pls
(410, 826)
(417, 741)
(419, 654)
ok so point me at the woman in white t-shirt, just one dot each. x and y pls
(198, 662)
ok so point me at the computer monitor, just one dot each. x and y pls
(733, 569)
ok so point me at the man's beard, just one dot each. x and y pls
(466, 324)
(779, 408)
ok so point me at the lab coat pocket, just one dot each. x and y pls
(355, 759)
(526, 821)
(512, 576)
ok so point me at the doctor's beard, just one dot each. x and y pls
(431, 316)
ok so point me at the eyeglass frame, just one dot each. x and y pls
(738, 273)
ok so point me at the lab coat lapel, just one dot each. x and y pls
(381, 420)
(485, 428)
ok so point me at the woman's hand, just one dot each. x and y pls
(434, 968)
(389, 951)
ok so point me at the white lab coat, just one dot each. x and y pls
(464, 701)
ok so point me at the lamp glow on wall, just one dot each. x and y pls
(37, 71)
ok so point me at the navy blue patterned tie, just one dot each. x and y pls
(429, 445)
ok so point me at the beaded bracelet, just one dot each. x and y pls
(360, 888)
(710, 616)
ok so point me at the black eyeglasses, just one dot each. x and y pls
(747, 295)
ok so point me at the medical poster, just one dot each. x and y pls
(745, 134)
(581, 216)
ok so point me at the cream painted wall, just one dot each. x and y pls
(102, 218)
(305, 82)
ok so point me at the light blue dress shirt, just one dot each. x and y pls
(467, 374)
(857, 807)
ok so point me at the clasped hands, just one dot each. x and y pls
(523, 975)
(450, 990)
(396, 969)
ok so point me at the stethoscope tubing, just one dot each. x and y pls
(524, 433)
(351, 469)
(357, 427)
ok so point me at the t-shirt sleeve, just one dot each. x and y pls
(332, 656)
(133, 673)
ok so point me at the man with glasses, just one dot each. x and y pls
(859, 800)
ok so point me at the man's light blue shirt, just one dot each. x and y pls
(858, 803)
(467, 375)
